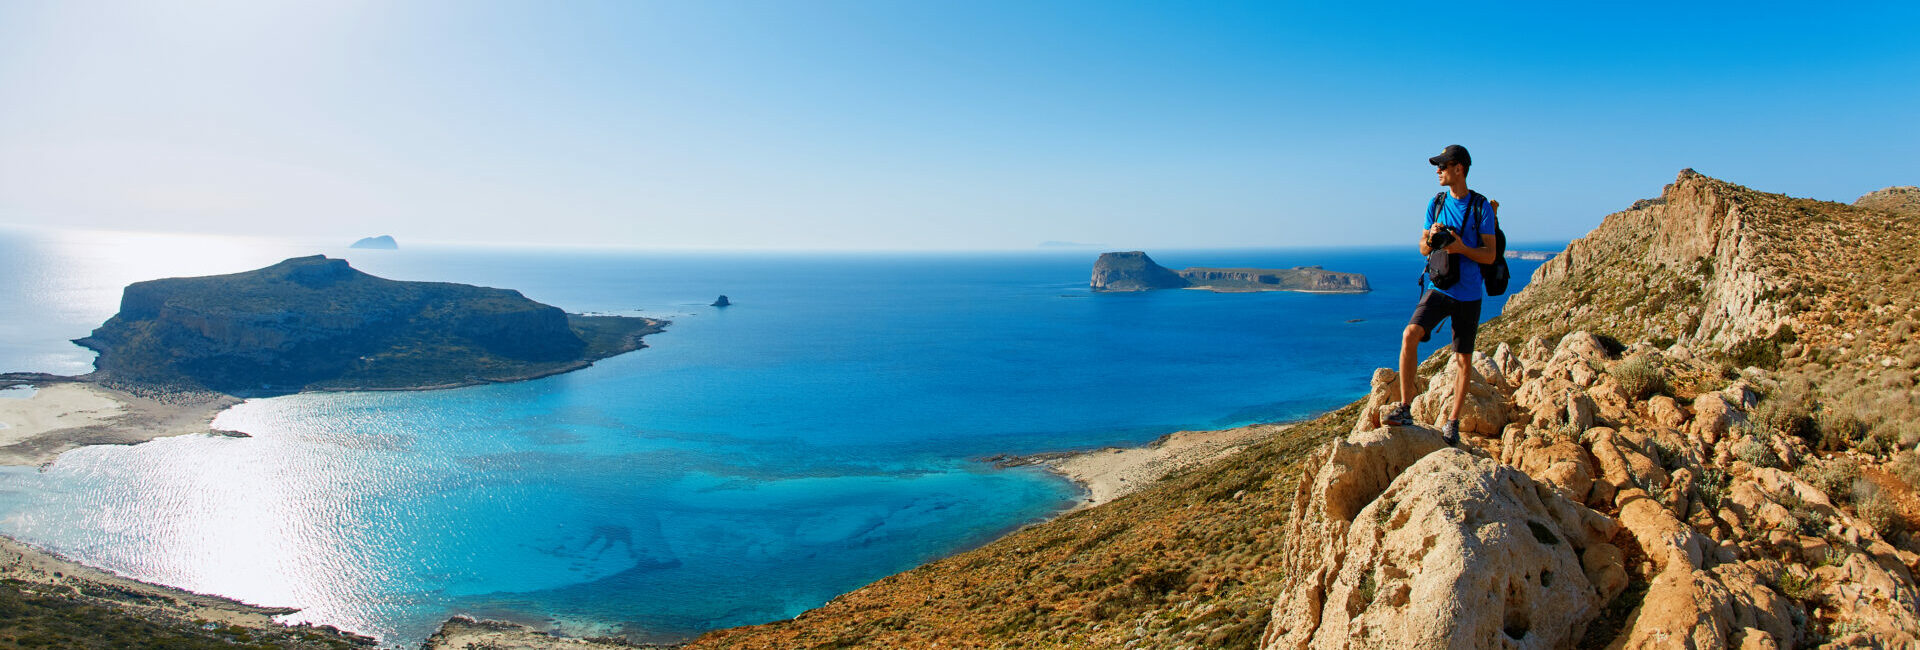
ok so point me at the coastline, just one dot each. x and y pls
(67, 412)
(1109, 473)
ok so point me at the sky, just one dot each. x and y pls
(928, 124)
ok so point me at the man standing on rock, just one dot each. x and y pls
(1469, 242)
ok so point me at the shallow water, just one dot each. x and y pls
(754, 462)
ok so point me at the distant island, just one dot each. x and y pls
(314, 323)
(383, 242)
(1134, 271)
(1533, 256)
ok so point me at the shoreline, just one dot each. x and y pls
(1260, 290)
(1109, 473)
(34, 570)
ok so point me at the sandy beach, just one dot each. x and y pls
(1114, 472)
(62, 416)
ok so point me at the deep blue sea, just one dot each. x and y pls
(752, 463)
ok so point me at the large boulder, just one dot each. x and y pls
(1484, 412)
(1450, 551)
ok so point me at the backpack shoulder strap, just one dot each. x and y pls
(1433, 208)
(1477, 211)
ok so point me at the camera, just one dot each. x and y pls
(1439, 240)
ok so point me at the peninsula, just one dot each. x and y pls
(182, 349)
(314, 323)
(1134, 271)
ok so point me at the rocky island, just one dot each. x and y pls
(315, 323)
(1134, 271)
(383, 242)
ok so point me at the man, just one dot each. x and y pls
(1473, 242)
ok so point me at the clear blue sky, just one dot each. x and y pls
(895, 124)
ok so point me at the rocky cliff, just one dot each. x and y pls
(1134, 271)
(317, 323)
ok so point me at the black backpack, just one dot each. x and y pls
(1443, 268)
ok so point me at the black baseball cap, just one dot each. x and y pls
(1453, 154)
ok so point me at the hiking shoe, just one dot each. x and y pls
(1450, 432)
(1400, 416)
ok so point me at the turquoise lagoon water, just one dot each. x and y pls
(753, 463)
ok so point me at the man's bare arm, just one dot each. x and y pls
(1484, 254)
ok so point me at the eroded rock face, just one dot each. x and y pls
(1449, 550)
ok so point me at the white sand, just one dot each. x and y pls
(65, 415)
(1113, 472)
(55, 407)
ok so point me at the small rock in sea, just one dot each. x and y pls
(1356, 320)
(722, 302)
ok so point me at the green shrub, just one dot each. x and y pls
(1807, 520)
(1834, 477)
(1798, 588)
(1640, 377)
(1906, 466)
(1756, 450)
(1840, 429)
(1712, 486)
(1788, 411)
(1762, 352)
(1877, 509)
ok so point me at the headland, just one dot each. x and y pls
(1135, 271)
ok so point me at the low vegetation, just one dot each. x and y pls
(31, 616)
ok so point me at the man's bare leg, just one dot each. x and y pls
(1462, 362)
(1409, 347)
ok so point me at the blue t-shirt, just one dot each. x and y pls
(1453, 214)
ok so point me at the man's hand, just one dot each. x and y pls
(1427, 236)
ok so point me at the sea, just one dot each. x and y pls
(753, 462)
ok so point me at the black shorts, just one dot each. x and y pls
(1435, 307)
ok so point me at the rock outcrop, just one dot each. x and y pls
(1134, 271)
(1593, 500)
(1400, 541)
(317, 323)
